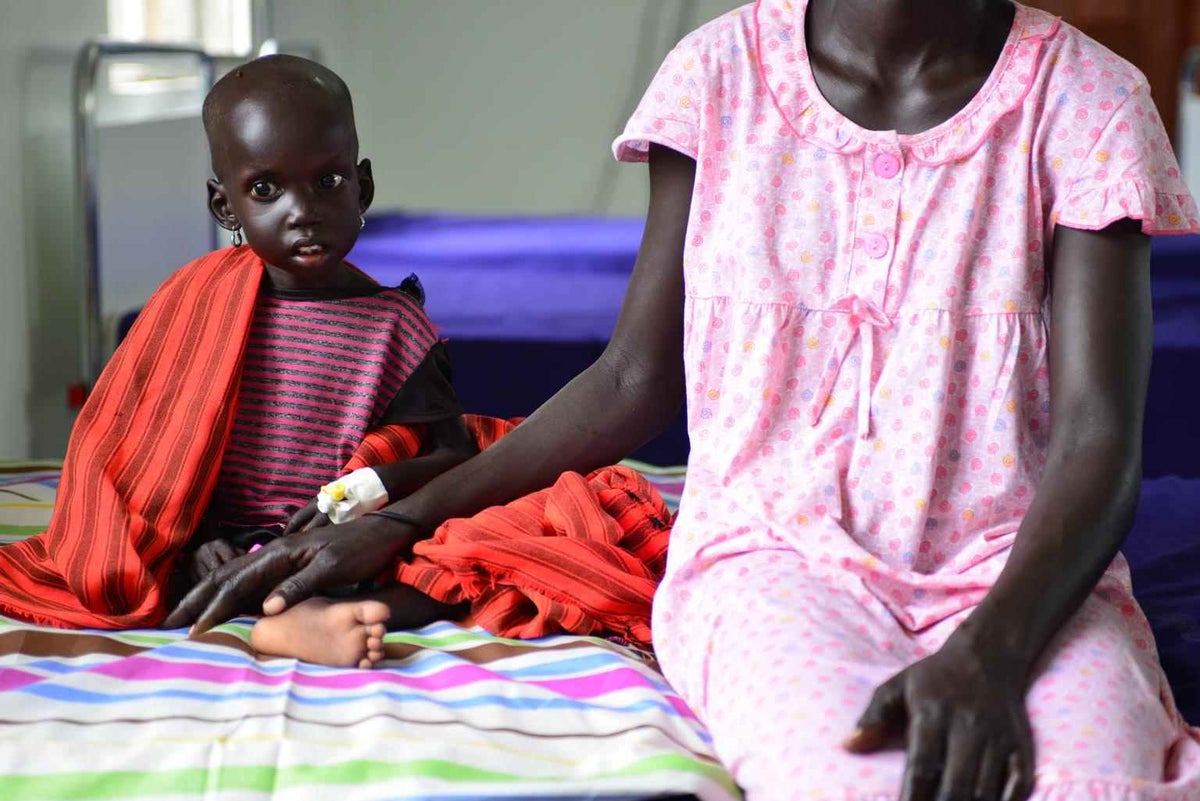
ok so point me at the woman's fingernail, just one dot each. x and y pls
(273, 605)
(191, 631)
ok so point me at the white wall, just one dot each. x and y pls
(494, 105)
(24, 25)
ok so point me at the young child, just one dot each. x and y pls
(331, 354)
(910, 471)
(320, 358)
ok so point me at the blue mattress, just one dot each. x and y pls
(1164, 556)
(549, 279)
(1172, 407)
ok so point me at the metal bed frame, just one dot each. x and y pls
(84, 108)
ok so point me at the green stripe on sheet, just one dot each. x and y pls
(459, 638)
(134, 637)
(88, 785)
(15, 533)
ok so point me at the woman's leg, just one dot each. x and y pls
(780, 663)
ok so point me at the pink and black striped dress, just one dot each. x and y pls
(320, 370)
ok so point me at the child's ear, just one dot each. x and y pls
(366, 185)
(219, 206)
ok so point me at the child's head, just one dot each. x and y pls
(284, 152)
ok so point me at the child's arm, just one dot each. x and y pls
(428, 400)
(450, 444)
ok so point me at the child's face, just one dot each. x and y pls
(289, 179)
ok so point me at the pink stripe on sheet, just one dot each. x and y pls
(145, 668)
(14, 679)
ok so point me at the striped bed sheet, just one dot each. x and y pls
(26, 497)
(453, 713)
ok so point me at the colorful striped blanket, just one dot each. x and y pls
(454, 713)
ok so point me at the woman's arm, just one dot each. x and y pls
(1100, 347)
(631, 393)
(963, 709)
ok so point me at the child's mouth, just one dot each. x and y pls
(309, 254)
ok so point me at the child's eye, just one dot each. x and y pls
(263, 190)
(331, 181)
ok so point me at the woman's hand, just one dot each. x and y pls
(306, 519)
(293, 568)
(963, 717)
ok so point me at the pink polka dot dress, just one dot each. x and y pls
(866, 351)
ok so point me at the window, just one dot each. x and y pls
(221, 27)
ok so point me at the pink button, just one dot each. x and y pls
(876, 245)
(886, 165)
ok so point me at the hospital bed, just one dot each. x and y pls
(451, 713)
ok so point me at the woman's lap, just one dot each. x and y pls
(780, 663)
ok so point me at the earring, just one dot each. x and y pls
(236, 236)
(362, 222)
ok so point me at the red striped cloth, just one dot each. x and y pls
(583, 557)
(399, 442)
(317, 375)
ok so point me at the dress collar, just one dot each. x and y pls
(783, 65)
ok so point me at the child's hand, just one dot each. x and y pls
(210, 556)
(307, 518)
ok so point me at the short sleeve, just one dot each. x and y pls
(1130, 172)
(669, 113)
(428, 394)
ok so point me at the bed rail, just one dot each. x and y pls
(87, 75)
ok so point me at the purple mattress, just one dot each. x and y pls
(1173, 401)
(1164, 556)
(547, 279)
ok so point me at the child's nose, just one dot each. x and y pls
(304, 210)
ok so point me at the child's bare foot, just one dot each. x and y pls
(325, 632)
